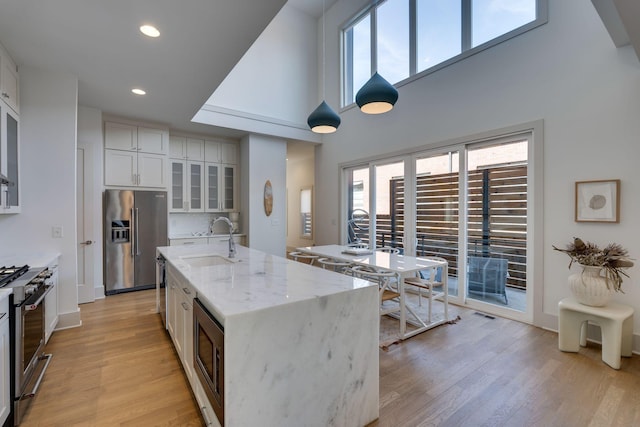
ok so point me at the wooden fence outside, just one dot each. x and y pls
(497, 218)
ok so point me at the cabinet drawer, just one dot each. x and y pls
(188, 241)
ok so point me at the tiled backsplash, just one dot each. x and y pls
(188, 223)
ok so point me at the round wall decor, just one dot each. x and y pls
(268, 198)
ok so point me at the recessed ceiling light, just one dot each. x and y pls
(138, 91)
(149, 30)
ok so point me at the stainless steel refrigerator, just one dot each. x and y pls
(135, 223)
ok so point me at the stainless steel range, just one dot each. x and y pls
(29, 362)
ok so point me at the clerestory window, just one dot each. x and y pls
(404, 39)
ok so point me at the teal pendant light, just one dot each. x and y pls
(323, 119)
(377, 96)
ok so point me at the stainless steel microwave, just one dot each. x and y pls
(208, 356)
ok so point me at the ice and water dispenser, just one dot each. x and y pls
(120, 231)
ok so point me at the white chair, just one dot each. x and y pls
(335, 265)
(385, 280)
(428, 281)
(388, 249)
(358, 245)
(303, 257)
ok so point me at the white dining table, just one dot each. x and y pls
(403, 266)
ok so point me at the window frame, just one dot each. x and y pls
(347, 91)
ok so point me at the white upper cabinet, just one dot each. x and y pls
(212, 151)
(135, 156)
(120, 136)
(228, 153)
(203, 175)
(187, 186)
(186, 148)
(10, 165)
(9, 82)
(10, 198)
(220, 152)
(152, 141)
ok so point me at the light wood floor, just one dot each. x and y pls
(119, 369)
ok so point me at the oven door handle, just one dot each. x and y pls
(34, 306)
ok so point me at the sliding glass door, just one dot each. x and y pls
(436, 203)
(357, 213)
(388, 197)
(375, 205)
(478, 220)
(496, 225)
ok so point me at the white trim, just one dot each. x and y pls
(69, 320)
(254, 123)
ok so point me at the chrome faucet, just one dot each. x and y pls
(232, 244)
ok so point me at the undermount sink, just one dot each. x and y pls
(207, 260)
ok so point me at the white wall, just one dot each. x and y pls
(263, 158)
(273, 82)
(272, 78)
(300, 174)
(567, 73)
(48, 111)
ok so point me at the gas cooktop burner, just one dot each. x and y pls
(9, 274)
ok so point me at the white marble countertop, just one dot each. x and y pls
(255, 280)
(32, 259)
(5, 292)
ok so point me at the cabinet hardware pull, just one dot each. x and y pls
(185, 306)
(137, 236)
(87, 242)
(5, 94)
(132, 234)
(39, 380)
(186, 291)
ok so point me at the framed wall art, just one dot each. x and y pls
(268, 198)
(598, 201)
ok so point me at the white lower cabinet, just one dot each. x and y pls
(51, 302)
(180, 320)
(188, 241)
(180, 296)
(237, 238)
(203, 240)
(5, 356)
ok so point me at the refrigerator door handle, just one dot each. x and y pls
(133, 235)
(136, 230)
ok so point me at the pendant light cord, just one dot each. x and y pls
(323, 51)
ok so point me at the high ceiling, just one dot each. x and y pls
(99, 42)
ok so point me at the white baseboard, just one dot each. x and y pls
(99, 292)
(69, 320)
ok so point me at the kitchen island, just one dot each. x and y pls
(300, 342)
